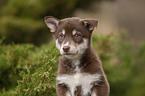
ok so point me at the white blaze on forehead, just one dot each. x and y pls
(66, 44)
(74, 32)
(79, 79)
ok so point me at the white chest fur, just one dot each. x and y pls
(79, 79)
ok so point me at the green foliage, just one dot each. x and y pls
(11, 92)
(138, 80)
(122, 63)
(22, 20)
(34, 68)
(24, 30)
(14, 58)
(42, 81)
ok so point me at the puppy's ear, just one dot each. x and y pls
(90, 24)
(51, 23)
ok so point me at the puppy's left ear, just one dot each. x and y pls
(51, 22)
(90, 24)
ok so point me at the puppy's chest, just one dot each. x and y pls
(75, 77)
(84, 80)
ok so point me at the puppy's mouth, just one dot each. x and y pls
(68, 53)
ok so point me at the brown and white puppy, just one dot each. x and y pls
(80, 71)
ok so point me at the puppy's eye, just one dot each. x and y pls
(61, 35)
(77, 35)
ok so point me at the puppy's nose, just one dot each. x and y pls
(66, 48)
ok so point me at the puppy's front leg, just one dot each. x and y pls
(62, 90)
(102, 90)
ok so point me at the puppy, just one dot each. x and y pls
(80, 71)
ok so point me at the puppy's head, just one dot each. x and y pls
(72, 35)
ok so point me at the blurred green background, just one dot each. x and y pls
(28, 56)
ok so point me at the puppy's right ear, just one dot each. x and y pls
(51, 23)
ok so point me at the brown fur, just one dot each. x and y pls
(89, 62)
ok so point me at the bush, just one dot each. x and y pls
(24, 30)
(122, 63)
(22, 20)
(42, 81)
(34, 68)
(14, 58)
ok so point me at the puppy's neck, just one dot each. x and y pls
(81, 61)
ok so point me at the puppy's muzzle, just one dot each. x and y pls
(66, 48)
